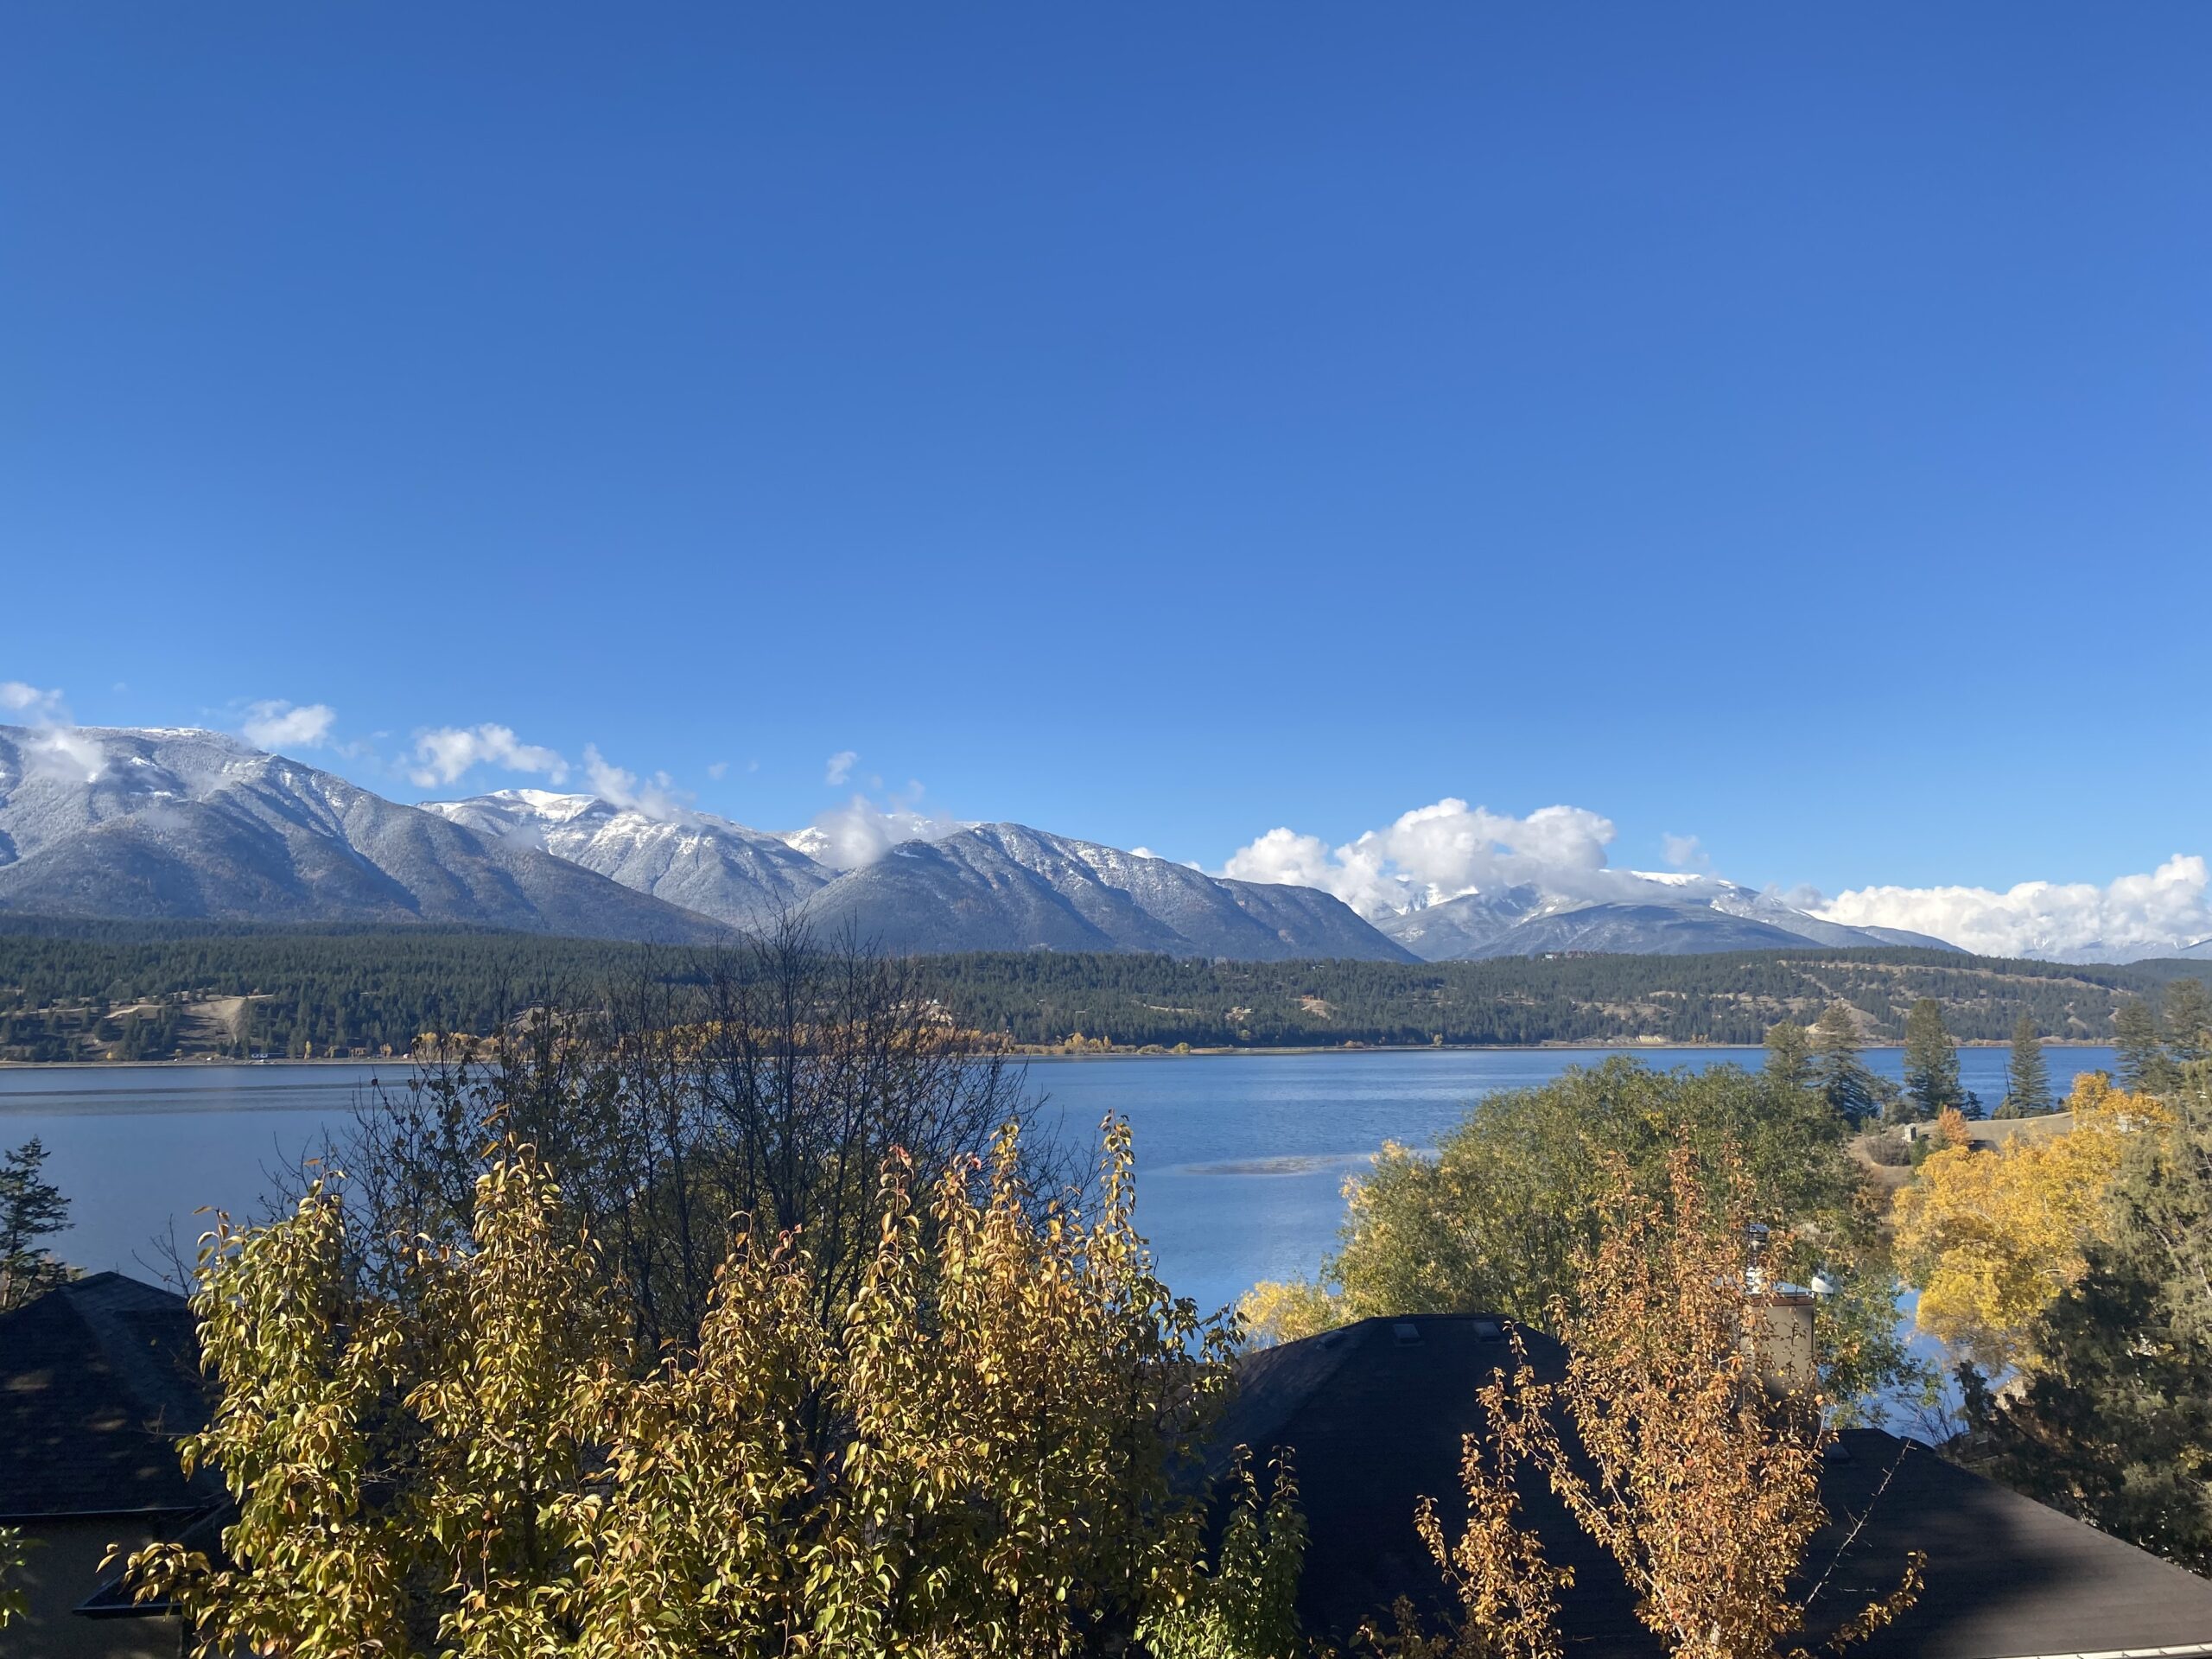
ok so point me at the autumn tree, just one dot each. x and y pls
(1931, 1063)
(1275, 1311)
(32, 1208)
(2027, 1076)
(1990, 1239)
(1700, 1480)
(1494, 1220)
(14, 1603)
(1246, 1606)
(1838, 1072)
(770, 1081)
(2114, 1423)
(989, 1451)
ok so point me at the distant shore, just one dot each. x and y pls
(212, 1063)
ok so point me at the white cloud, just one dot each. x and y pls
(18, 698)
(718, 771)
(274, 724)
(657, 796)
(56, 748)
(65, 751)
(2134, 916)
(1684, 853)
(1440, 851)
(840, 767)
(862, 830)
(443, 755)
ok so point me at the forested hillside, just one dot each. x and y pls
(1134, 1000)
(125, 990)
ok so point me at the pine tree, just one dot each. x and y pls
(2189, 1019)
(1931, 1064)
(2027, 1078)
(2145, 1066)
(1838, 1072)
(31, 1208)
(1789, 1056)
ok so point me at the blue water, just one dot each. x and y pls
(1241, 1158)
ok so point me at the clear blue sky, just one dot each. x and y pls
(1786, 424)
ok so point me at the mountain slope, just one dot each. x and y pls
(142, 823)
(1457, 930)
(701, 863)
(1679, 917)
(1637, 930)
(1005, 886)
(1765, 907)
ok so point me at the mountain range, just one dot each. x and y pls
(186, 823)
(148, 824)
(1662, 915)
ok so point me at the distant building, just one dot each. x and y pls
(1376, 1412)
(97, 1379)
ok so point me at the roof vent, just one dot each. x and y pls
(1490, 1329)
(1407, 1332)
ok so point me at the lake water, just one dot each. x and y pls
(1241, 1158)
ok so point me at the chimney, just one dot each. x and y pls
(1777, 1327)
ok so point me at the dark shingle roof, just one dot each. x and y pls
(1376, 1412)
(98, 1378)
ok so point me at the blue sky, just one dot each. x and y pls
(1787, 426)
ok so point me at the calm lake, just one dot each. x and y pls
(1241, 1158)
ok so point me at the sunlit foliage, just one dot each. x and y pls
(990, 1451)
(1701, 1482)
(1990, 1237)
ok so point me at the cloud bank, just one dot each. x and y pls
(1440, 851)
(2135, 916)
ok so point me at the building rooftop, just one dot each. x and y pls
(1375, 1413)
(98, 1378)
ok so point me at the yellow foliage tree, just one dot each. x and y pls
(989, 1452)
(1666, 1447)
(1991, 1238)
(1277, 1310)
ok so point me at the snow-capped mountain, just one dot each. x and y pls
(1005, 886)
(143, 822)
(1644, 914)
(137, 822)
(999, 887)
(719, 868)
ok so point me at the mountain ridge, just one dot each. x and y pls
(123, 821)
(720, 869)
(150, 823)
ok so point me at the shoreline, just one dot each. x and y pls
(1630, 1046)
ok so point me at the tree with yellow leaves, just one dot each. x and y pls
(1990, 1239)
(988, 1451)
(1699, 1478)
